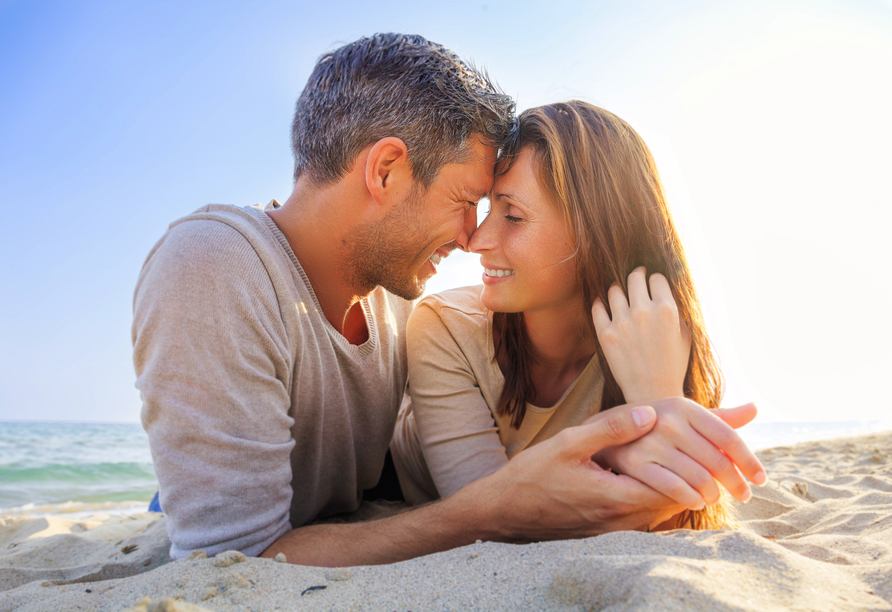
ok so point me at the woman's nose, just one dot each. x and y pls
(482, 240)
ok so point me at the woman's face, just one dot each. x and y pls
(524, 239)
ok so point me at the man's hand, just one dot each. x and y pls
(688, 449)
(550, 491)
(645, 339)
(554, 490)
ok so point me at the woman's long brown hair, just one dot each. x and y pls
(602, 176)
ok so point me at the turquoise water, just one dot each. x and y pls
(96, 464)
(79, 468)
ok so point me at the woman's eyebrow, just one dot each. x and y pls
(509, 196)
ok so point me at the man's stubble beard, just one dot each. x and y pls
(388, 254)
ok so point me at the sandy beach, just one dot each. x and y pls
(817, 536)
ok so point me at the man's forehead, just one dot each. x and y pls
(473, 178)
(482, 151)
(478, 191)
(484, 161)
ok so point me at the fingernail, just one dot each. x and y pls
(747, 496)
(642, 416)
(760, 478)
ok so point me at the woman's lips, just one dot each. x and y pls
(498, 272)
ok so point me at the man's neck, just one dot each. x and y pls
(315, 223)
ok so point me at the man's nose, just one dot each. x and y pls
(469, 224)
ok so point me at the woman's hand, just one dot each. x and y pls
(646, 341)
(688, 449)
(554, 489)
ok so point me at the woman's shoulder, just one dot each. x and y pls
(461, 300)
(453, 317)
(459, 311)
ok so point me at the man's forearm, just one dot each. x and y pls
(443, 525)
(550, 491)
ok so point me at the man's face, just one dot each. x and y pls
(402, 252)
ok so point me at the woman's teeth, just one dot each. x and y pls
(498, 272)
(436, 259)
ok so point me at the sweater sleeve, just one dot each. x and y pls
(456, 428)
(213, 368)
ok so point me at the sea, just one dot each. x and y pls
(77, 469)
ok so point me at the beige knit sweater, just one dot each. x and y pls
(260, 415)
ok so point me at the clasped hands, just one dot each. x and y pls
(690, 449)
(666, 453)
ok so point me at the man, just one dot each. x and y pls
(269, 345)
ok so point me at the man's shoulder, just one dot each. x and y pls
(217, 248)
(222, 218)
(219, 235)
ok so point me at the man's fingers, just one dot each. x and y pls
(613, 427)
(599, 316)
(737, 417)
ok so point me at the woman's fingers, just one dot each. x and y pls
(638, 295)
(695, 475)
(619, 306)
(662, 297)
(600, 317)
(659, 289)
(720, 466)
(669, 483)
(729, 450)
(737, 417)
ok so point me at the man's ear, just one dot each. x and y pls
(387, 171)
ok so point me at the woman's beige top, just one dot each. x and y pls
(448, 433)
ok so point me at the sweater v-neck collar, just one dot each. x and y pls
(364, 349)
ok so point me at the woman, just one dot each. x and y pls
(577, 206)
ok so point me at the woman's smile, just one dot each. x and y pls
(497, 272)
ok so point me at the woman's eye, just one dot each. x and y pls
(513, 219)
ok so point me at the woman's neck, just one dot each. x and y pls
(562, 346)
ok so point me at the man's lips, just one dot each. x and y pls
(442, 253)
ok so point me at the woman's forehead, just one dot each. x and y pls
(521, 182)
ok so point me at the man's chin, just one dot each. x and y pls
(411, 289)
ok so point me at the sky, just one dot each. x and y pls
(769, 121)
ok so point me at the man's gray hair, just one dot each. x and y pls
(394, 85)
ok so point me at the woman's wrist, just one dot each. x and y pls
(636, 396)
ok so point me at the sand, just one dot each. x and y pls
(817, 536)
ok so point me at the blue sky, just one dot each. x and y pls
(769, 121)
